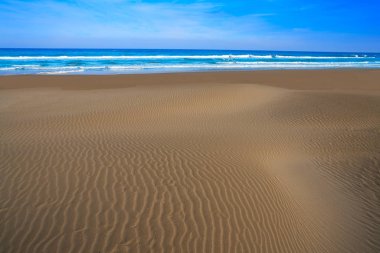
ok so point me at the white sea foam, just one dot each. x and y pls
(245, 65)
(7, 68)
(61, 72)
(168, 67)
(298, 63)
(321, 57)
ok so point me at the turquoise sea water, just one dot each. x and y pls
(123, 61)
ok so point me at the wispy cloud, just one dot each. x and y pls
(133, 19)
(171, 23)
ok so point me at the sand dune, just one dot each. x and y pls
(208, 166)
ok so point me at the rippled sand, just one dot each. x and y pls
(272, 161)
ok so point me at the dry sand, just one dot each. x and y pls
(267, 161)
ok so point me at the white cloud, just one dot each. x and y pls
(133, 19)
(143, 24)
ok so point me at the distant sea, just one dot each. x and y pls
(124, 61)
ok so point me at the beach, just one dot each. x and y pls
(244, 161)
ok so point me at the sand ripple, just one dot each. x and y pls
(217, 168)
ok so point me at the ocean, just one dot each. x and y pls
(124, 61)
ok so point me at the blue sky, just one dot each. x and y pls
(318, 25)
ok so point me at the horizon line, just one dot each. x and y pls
(184, 49)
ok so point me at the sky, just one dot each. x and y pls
(301, 25)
